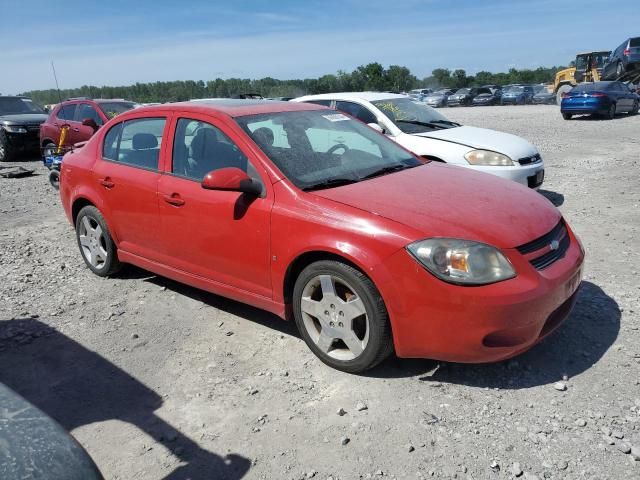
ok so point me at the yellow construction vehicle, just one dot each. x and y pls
(588, 68)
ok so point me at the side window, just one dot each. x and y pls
(67, 112)
(138, 142)
(199, 148)
(87, 111)
(358, 111)
(110, 145)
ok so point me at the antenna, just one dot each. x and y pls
(56, 78)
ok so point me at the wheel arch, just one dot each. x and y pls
(303, 260)
(78, 204)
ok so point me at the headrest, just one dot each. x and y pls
(204, 143)
(143, 141)
(264, 135)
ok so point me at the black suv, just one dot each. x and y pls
(20, 120)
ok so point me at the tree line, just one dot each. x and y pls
(372, 76)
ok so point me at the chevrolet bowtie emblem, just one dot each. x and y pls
(554, 245)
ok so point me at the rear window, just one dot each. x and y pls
(634, 42)
(591, 87)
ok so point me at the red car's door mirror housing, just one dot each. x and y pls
(231, 179)
(90, 122)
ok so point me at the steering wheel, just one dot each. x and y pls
(338, 146)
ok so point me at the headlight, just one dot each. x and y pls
(12, 129)
(487, 157)
(462, 261)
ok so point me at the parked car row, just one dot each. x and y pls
(488, 95)
(25, 127)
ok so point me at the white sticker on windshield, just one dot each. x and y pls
(336, 117)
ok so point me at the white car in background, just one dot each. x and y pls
(424, 131)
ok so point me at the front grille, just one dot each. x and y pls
(33, 128)
(558, 237)
(529, 160)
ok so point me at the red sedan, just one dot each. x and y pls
(310, 214)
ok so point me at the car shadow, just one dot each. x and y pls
(592, 327)
(590, 330)
(77, 387)
(556, 198)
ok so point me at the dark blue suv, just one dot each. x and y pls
(517, 95)
(624, 59)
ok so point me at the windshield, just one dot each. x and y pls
(412, 117)
(463, 91)
(17, 105)
(323, 149)
(111, 109)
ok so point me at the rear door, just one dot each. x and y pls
(127, 176)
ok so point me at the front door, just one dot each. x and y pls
(219, 235)
(128, 175)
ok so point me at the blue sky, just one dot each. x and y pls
(116, 42)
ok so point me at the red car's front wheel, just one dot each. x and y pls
(341, 316)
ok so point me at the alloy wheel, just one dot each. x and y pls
(335, 317)
(92, 242)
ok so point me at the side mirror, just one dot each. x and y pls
(231, 179)
(90, 122)
(376, 127)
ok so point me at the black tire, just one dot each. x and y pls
(611, 113)
(635, 108)
(567, 116)
(54, 178)
(111, 263)
(7, 152)
(380, 343)
(619, 70)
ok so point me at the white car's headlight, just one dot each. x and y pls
(487, 157)
(462, 261)
(12, 129)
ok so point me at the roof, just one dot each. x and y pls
(369, 96)
(234, 107)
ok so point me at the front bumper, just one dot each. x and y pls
(511, 100)
(24, 142)
(437, 320)
(531, 175)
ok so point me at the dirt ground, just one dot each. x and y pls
(161, 381)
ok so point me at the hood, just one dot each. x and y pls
(23, 119)
(513, 146)
(484, 95)
(512, 94)
(448, 201)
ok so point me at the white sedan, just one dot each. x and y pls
(427, 133)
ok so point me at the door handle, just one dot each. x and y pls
(76, 129)
(107, 183)
(174, 199)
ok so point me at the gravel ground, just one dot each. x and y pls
(162, 381)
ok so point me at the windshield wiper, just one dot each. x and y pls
(447, 122)
(388, 169)
(330, 183)
(422, 124)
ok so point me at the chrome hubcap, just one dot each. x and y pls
(335, 317)
(92, 242)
